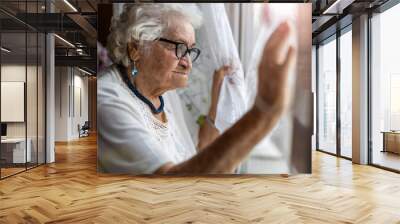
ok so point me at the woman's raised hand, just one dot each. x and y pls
(277, 62)
(218, 78)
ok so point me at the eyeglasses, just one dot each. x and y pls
(181, 49)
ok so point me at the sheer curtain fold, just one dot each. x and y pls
(218, 48)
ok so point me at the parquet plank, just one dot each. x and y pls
(71, 191)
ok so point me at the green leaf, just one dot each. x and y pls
(201, 119)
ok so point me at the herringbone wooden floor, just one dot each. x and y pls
(70, 191)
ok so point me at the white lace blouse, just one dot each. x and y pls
(130, 139)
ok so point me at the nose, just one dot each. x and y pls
(186, 62)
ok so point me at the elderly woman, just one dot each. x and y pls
(141, 129)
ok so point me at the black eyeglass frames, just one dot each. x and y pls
(181, 49)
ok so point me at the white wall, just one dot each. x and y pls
(61, 103)
(314, 92)
(12, 101)
(33, 126)
(79, 117)
(12, 73)
(70, 83)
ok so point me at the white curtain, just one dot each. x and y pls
(237, 33)
(218, 48)
(255, 24)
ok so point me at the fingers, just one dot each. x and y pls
(285, 45)
(290, 60)
(222, 71)
(225, 68)
(279, 33)
(278, 43)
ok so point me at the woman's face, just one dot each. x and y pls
(160, 65)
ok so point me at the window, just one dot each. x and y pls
(346, 93)
(22, 77)
(327, 96)
(385, 89)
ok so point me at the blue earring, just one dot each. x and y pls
(134, 70)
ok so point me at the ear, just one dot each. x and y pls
(133, 51)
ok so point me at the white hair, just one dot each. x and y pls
(145, 21)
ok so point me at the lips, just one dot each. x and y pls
(182, 73)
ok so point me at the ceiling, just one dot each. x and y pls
(332, 15)
(76, 22)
